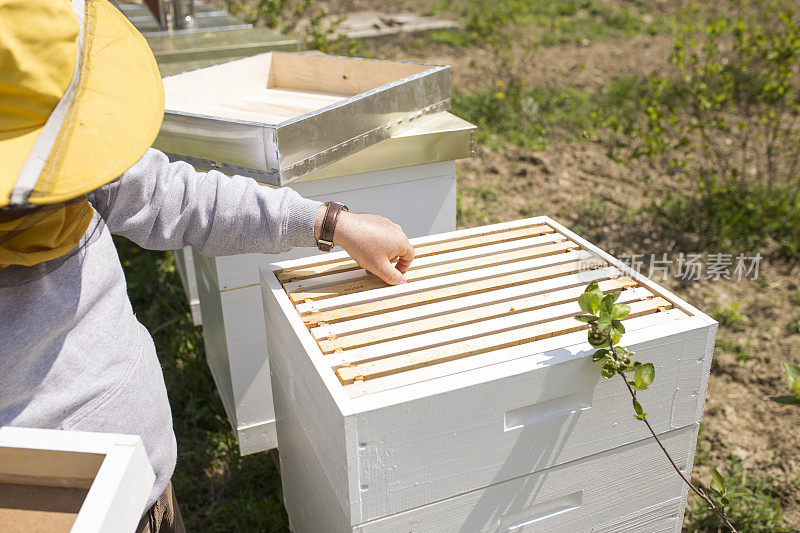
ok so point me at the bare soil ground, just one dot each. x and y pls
(510, 183)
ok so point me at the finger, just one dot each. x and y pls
(405, 258)
(388, 273)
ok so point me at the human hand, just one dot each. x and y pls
(374, 242)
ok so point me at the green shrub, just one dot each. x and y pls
(726, 128)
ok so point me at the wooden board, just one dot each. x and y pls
(347, 307)
(273, 105)
(29, 508)
(415, 326)
(459, 300)
(341, 264)
(344, 75)
(369, 282)
(496, 341)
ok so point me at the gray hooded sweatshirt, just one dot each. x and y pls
(72, 354)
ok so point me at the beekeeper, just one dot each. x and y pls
(80, 103)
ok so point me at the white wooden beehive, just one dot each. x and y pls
(227, 291)
(466, 399)
(74, 481)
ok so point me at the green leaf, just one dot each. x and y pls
(792, 375)
(604, 324)
(589, 301)
(615, 337)
(615, 295)
(621, 311)
(644, 376)
(617, 325)
(640, 414)
(600, 355)
(724, 501)
(796, 389)
(607, 304)
(786, 400)
(717, 481)
(586, 318)
(592, 287)
(598, 340)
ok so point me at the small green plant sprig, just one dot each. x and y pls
(604, 319)
(791, 374)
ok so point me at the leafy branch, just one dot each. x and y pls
(604, 318)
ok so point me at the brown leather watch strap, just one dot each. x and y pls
(325, 241)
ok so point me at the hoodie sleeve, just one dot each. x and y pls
(164, 206)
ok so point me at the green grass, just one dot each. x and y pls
(218, 490)
(735, 218)
(484, 199)
(756, 510)
(740, 350)
(548, 23)
(533, 117)
(730, 316)
(794, 324)
(530, 119)
(701, 455)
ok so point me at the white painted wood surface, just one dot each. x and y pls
(505, 404)
(113, 467)
(184, 263)
(420, 198)
(625, 489)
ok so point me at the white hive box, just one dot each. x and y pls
(53, 481)
(420, 197)
(466, 399)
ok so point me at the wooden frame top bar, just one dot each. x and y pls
(467, 294)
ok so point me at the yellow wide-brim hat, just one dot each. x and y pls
(81, 98)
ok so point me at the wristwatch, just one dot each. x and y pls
(325, 241)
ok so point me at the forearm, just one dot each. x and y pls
(166, 206)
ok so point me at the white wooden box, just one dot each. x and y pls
(473, 378)
(52, 481)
